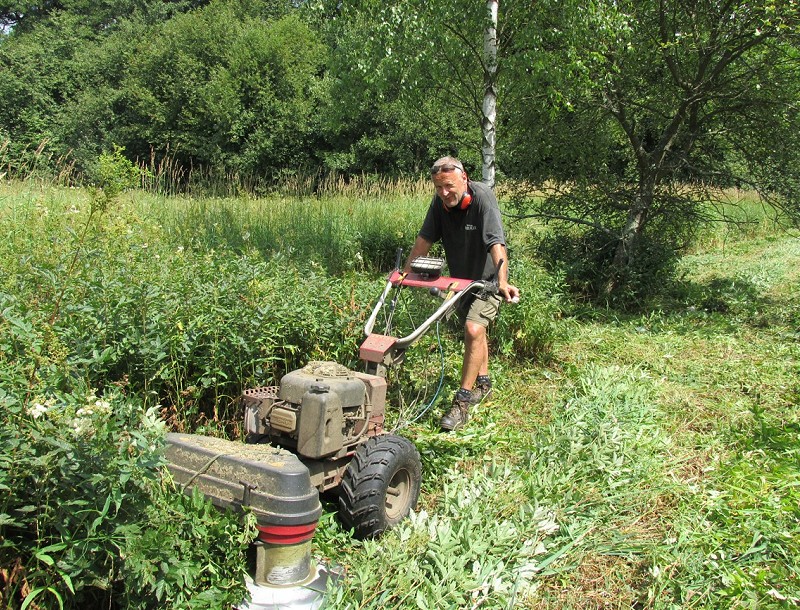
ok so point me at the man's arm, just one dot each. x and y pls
(421, 247)
(499, 253)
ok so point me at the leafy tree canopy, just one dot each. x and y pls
(683, 98)
(98, 15)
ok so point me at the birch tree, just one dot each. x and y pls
(489, 108)
(448, 51)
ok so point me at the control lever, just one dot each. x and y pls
(492, 286)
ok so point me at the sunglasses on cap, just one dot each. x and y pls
(445, 167)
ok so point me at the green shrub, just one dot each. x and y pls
(191, 556)
(113, 174)
(584, 258)
(527, 330)
(87, 521)
(194, 332)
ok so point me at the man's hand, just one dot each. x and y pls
(499, 258)
(510, 293)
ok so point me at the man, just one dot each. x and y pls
(464, 215)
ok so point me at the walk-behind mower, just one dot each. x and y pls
(321, 429)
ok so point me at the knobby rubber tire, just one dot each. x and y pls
(380, 485)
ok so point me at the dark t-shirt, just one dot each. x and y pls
(467, 234)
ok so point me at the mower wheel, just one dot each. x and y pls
(380, 485)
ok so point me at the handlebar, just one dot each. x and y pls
(452, 290)
(380, 348)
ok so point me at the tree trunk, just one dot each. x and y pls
(489, 109)
(625, 253)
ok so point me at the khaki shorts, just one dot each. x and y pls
(480, 311)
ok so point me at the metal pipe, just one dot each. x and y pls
(406, 341)
(371, 322)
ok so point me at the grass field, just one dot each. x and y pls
(647, 460)
(653, 463)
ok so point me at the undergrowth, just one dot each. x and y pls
(639, 459)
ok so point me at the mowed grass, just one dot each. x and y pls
(651, 463)
(651, 460)
(717, 526)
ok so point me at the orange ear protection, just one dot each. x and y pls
(463, 203)
(466, 199)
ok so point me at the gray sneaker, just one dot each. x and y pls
(483, 386)
(458, 415)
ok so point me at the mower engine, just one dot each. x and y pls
(321, 412)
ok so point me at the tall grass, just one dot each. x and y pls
(187, 301)
(337, 233)
(625, 460)
(40, 165)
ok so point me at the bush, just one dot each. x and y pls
(526, 330)
(85, 519)
(584, 256)
(193, 332)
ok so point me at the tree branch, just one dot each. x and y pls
(572, 219)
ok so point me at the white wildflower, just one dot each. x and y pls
(37, 410)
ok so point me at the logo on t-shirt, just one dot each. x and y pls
(470, 228)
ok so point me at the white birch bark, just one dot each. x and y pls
(489, 108)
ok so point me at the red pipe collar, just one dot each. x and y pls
(286, 534)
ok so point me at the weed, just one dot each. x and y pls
(82, 510)
(637, 459)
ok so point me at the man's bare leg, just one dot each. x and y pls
(476, 354)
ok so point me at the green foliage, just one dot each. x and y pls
(198, 328)
(100, 15)
(84, 515)
(645, 128)
(337, 234)
(390, 75)
(457, 557)
(583, 256)
(618, 458)
(526, 330)
(221, 90)
(79, 468)
(205, 562)
(113, 174)
(85, 518)
(35, 80)
(179, 324)
(228, 86)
